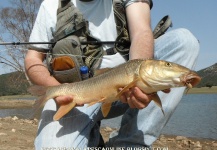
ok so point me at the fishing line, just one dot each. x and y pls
(57, 54)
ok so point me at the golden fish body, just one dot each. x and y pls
(149, 75)
(104, 86)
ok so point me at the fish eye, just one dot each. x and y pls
(168, 64)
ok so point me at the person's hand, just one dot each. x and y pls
(136, 98)
(63, 100)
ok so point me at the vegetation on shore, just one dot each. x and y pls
(209, 76)
(17, 97)
(203, 90)
(14, 83)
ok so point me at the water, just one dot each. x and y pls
(195, 116)
(20, 113)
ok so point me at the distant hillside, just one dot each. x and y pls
(13, 84)
(209, 76)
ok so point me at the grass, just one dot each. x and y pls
(203, 90)
(15, 97)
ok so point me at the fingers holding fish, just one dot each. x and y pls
(135, 103)
(166, 90)
(135, 98)
(64, 100)
(138, 99)
(124, 96)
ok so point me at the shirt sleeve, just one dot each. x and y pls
(42, 29)
(129, 2)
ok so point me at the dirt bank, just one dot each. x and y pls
(13, 104)
(19, 134)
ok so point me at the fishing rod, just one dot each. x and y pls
(81, 42)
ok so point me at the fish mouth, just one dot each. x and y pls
(191, 79)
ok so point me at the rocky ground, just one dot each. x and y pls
(19, 134)
(166, 142)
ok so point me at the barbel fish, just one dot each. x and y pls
(149, 75)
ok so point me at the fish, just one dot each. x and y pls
(149, 75)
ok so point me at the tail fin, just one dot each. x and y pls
(37, 90)
(41, 92)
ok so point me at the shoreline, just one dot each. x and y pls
(17, 133)
(16, 104)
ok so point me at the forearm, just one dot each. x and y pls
(37, 71)
(141, 36)
(142, 45)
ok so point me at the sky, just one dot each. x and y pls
(198, 16)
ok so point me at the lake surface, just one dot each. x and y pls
(20, 113)
(195, 116)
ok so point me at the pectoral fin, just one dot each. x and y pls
(157, 101)
(187, 90)
(64, 109)
(106, 108)
(133, 83)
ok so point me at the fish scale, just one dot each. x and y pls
(149, 75)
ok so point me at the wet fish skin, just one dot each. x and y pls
(149, 75)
